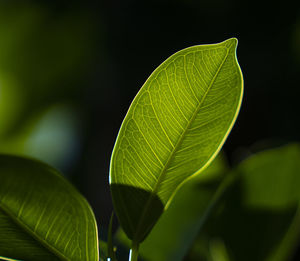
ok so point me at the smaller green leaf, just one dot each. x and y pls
(271, 182)
(260, 215)
(279, 168)
(42, 216)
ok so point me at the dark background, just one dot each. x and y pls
(69, 70)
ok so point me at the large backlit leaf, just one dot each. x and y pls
(42, 216)
(175, 126)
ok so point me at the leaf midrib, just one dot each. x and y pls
(163, 172)
(36, 237)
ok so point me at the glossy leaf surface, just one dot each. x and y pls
(42, 216)
(175, 126)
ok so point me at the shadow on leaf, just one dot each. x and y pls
(136, 222)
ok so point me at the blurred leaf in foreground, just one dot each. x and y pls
(42, 216)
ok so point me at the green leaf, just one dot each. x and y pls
(174, 128)
(42, 216)
(271, 183)
(277, 167)
(261, 215)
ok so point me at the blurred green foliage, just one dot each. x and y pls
(258, 219)
(44, 57)
(48, 56)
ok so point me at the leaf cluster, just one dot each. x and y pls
(164, 188)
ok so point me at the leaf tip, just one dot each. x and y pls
(231, 42)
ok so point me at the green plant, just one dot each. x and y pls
(173, 130)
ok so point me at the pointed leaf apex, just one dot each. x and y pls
(231, 42)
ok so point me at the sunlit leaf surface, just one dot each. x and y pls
(175, 126)
(42, 217)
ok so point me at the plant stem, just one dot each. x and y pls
(134, 252)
